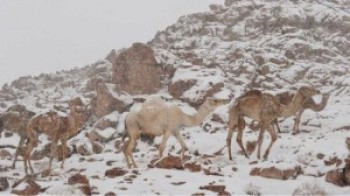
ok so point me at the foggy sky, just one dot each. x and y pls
(43, 36)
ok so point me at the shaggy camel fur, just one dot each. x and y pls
(15, 119)
(157, 118)
(309, 103)
(265, 108)
(286, 97)
(58, 128)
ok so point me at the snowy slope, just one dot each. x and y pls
(269, 45)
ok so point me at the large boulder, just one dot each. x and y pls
(136, 71)
(81, 182)
(340, 176)
(105, 103)
(276, 173)
(194, 84)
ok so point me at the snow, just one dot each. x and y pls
(322, 133)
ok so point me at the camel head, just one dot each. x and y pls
(80, 112)
(308, 91)
(212, 103)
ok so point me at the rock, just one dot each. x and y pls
(4, 184)
(105, 123)
(110, 193)
(334, 160)
(347, 142)
(275, 173)
(250, 147)
(104, 103)
(336, 177)
(193, 167)
(96, 147)
(229, 2)
(214, 171)
(194, 84)
(4, 154)
(115, 172)
(82, 150)
(214, 188)
(176, 89)
(15, 119)
(340, 176)
(169, 162)
(32, 188)
(81, 182)
(136, 71)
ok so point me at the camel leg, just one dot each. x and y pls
(297, 122)
(20, 144)
(26, 157)
(273, 139)
(128, 152)
(53, 152)
(261, 137)
(64, 145)
(163, 142)
(126, 155)
(182, 143)
(241, 126)
(228, 142)
(275, 122)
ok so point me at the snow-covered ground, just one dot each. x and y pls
(233, 51)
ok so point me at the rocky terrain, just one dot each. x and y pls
(274, 46)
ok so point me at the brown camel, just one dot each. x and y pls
(157, 118)
(15, 119)
(309, 103)
(265, 108)
(57, 127)
(286, 97)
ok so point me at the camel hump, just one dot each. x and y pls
(285, 97)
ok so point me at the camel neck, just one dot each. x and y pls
(293, 106)
(196, 119)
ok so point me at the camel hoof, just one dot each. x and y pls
(296, 133)
(46, 173)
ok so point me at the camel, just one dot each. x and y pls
(265, 108)
(157, 118)
(309, 103)
(15, 119)
(57, 127)
(286, 97)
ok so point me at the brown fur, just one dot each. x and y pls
(58, 128)
(265, 108)
(15, 119)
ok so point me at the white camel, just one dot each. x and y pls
(157, 118)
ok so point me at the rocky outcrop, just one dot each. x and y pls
(15, 119)
(169, 162)
(136, 70)
(81, 182)
(340, 176)
(194, 84)
(276, 173)
(32, 188)
(4, 184)
(105, 103)
(115, 172)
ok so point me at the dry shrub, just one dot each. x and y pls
(252, 190)
(309, 189)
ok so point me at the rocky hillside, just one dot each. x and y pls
(269, 45)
